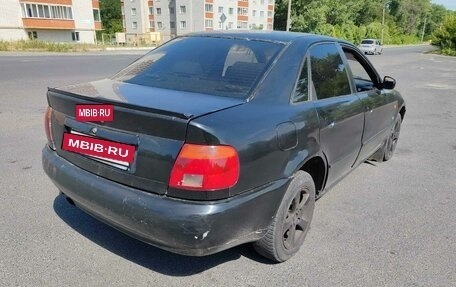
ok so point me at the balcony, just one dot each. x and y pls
(56, 24)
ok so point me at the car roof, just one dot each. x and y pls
(268, 36)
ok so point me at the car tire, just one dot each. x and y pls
(393, 137)
(289, 227)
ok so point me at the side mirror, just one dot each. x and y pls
(388, 83)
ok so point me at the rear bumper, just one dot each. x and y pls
(186, 227)
(369, 50)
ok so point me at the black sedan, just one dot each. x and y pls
(217, 139)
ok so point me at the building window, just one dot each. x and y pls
(254, 13)
(152, 24)
(262, 2)
(209, 8)
(134, 25)
(269, 26)
(270, 14)
(183, 24)
(171, 10)
(172, 25)
(209, 23)
(220, 25)
(75, 36)
(47, 14)
(96, 15)
(182, 10)
(231, 11)
(133, 11)
(241, 25)
(46, 11)
(151, 10)
(261, 14)
(40, 11)
(243, 11)
(230, 25)
(159, 11)
(220, 9)
(159, 25)
(33, 35)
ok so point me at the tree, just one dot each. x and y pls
(111, 16)
(434, 19)
(445, 36)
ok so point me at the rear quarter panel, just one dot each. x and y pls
(253, 128)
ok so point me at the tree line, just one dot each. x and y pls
(401, 21)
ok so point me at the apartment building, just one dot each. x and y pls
(177, 17)
(50, 20)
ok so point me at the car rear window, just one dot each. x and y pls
(208, 65)
(367, 42)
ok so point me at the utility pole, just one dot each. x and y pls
(289, 16)
(383, 22)
(424, 28)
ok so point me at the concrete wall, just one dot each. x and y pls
(84, 21)
(230, 18)
(63, 36)
(11, 21)
(139, 18)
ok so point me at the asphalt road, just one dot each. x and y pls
(388, 224)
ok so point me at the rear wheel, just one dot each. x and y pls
(393, 138)
(289, 228)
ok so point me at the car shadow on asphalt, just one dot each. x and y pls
(141, 253)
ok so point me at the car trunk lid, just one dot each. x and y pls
(152, 120)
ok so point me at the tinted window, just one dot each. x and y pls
(302, 91)
(363, 80)
(223, 67)
(328, 72)
(367, 42)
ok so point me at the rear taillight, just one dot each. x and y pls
(48, 127)
(205, 168)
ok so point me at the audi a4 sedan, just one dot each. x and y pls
(218, 139)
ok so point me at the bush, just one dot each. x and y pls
(445, 36)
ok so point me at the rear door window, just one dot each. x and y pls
(328, 71)
(217, 66)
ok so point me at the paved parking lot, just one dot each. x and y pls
(389, 224)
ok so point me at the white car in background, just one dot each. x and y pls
(371, 46)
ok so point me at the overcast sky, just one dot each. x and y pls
(449, 4)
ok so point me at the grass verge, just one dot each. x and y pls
(41, 46)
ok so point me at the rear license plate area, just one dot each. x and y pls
(116, 154)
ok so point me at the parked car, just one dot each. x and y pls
(371, 46)
(222, 138)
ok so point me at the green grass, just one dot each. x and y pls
(41, 46)
(447, 52)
